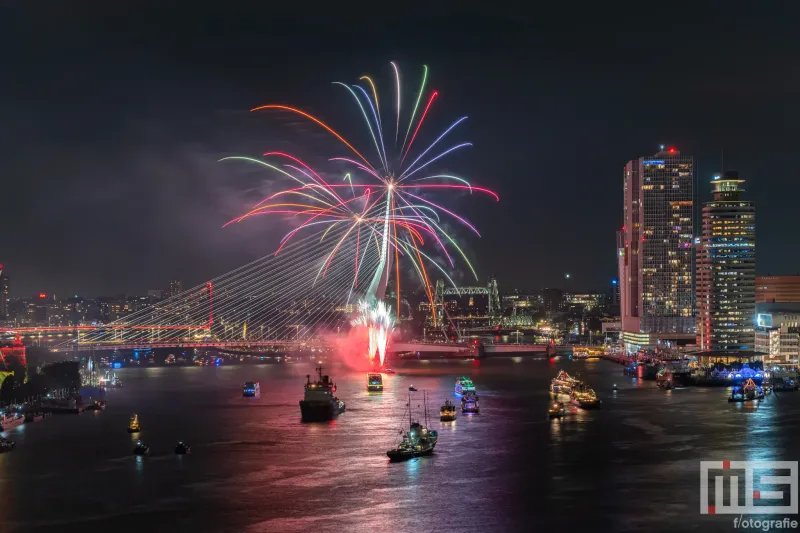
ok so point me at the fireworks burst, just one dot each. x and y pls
(378, 207)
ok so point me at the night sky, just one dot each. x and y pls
(112, 120)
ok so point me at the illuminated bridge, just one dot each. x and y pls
(286, 302)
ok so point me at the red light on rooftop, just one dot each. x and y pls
(42, 295)
(672, 150)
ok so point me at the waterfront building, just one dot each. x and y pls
(777, 289)
(726, 269)
(590, 301)
(777, 335)
(655, 254)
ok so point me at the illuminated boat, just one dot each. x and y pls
(464, 385)
(319, 404)
(447, 413)
(664, 379)
(252, 389)
(586, 398)
(747, 392)
(557, 410)
(418, 441)
(133, 424)
(563, 383)
(470, 404)
(375, 382)
(11, 420)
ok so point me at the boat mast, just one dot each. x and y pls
(409, 409)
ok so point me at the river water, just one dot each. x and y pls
(631, 466)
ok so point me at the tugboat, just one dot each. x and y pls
(748, 392)
(141, 449)
(418, 441)
(252, 389)
(133, 425)
(469, 404)
(464, 385)
(6, 445)
(374, 382)
(182, 448)
(447, 413)
(319, 404)
(557, 410)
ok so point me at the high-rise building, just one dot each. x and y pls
(726, 269)
(777, 289)
(5, 295)
(656, 260)
(175, 287)
(778, 335)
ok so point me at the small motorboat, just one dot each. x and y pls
(557, 410)
(182, 448)
(133, 425)
(141, 449)
(6, 445)
(748, 392)
(412, 388)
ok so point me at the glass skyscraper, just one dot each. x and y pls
(656, 252)
(726, 269)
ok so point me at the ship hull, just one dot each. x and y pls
(396, 456)
(374, 388)
(319, 411)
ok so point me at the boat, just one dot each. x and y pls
(133, 424)
(418, 441)
(182, 448)
(557, 410)
(10, 421)
(374, 382)
(469, 404)
(6, 445)
(747, 392)
(251, 389)
(141, 449)
(464, 385)
(563, 383)
(447, 413)
(664, 379)
(614, 388)
(96, 406)
(412, 388)
(389, 371)
(586, 398)
(319, 404)
(781, 384)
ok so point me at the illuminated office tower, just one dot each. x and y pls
(726, 269)
(655, 247)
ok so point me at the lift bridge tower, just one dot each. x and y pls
(494, 310)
